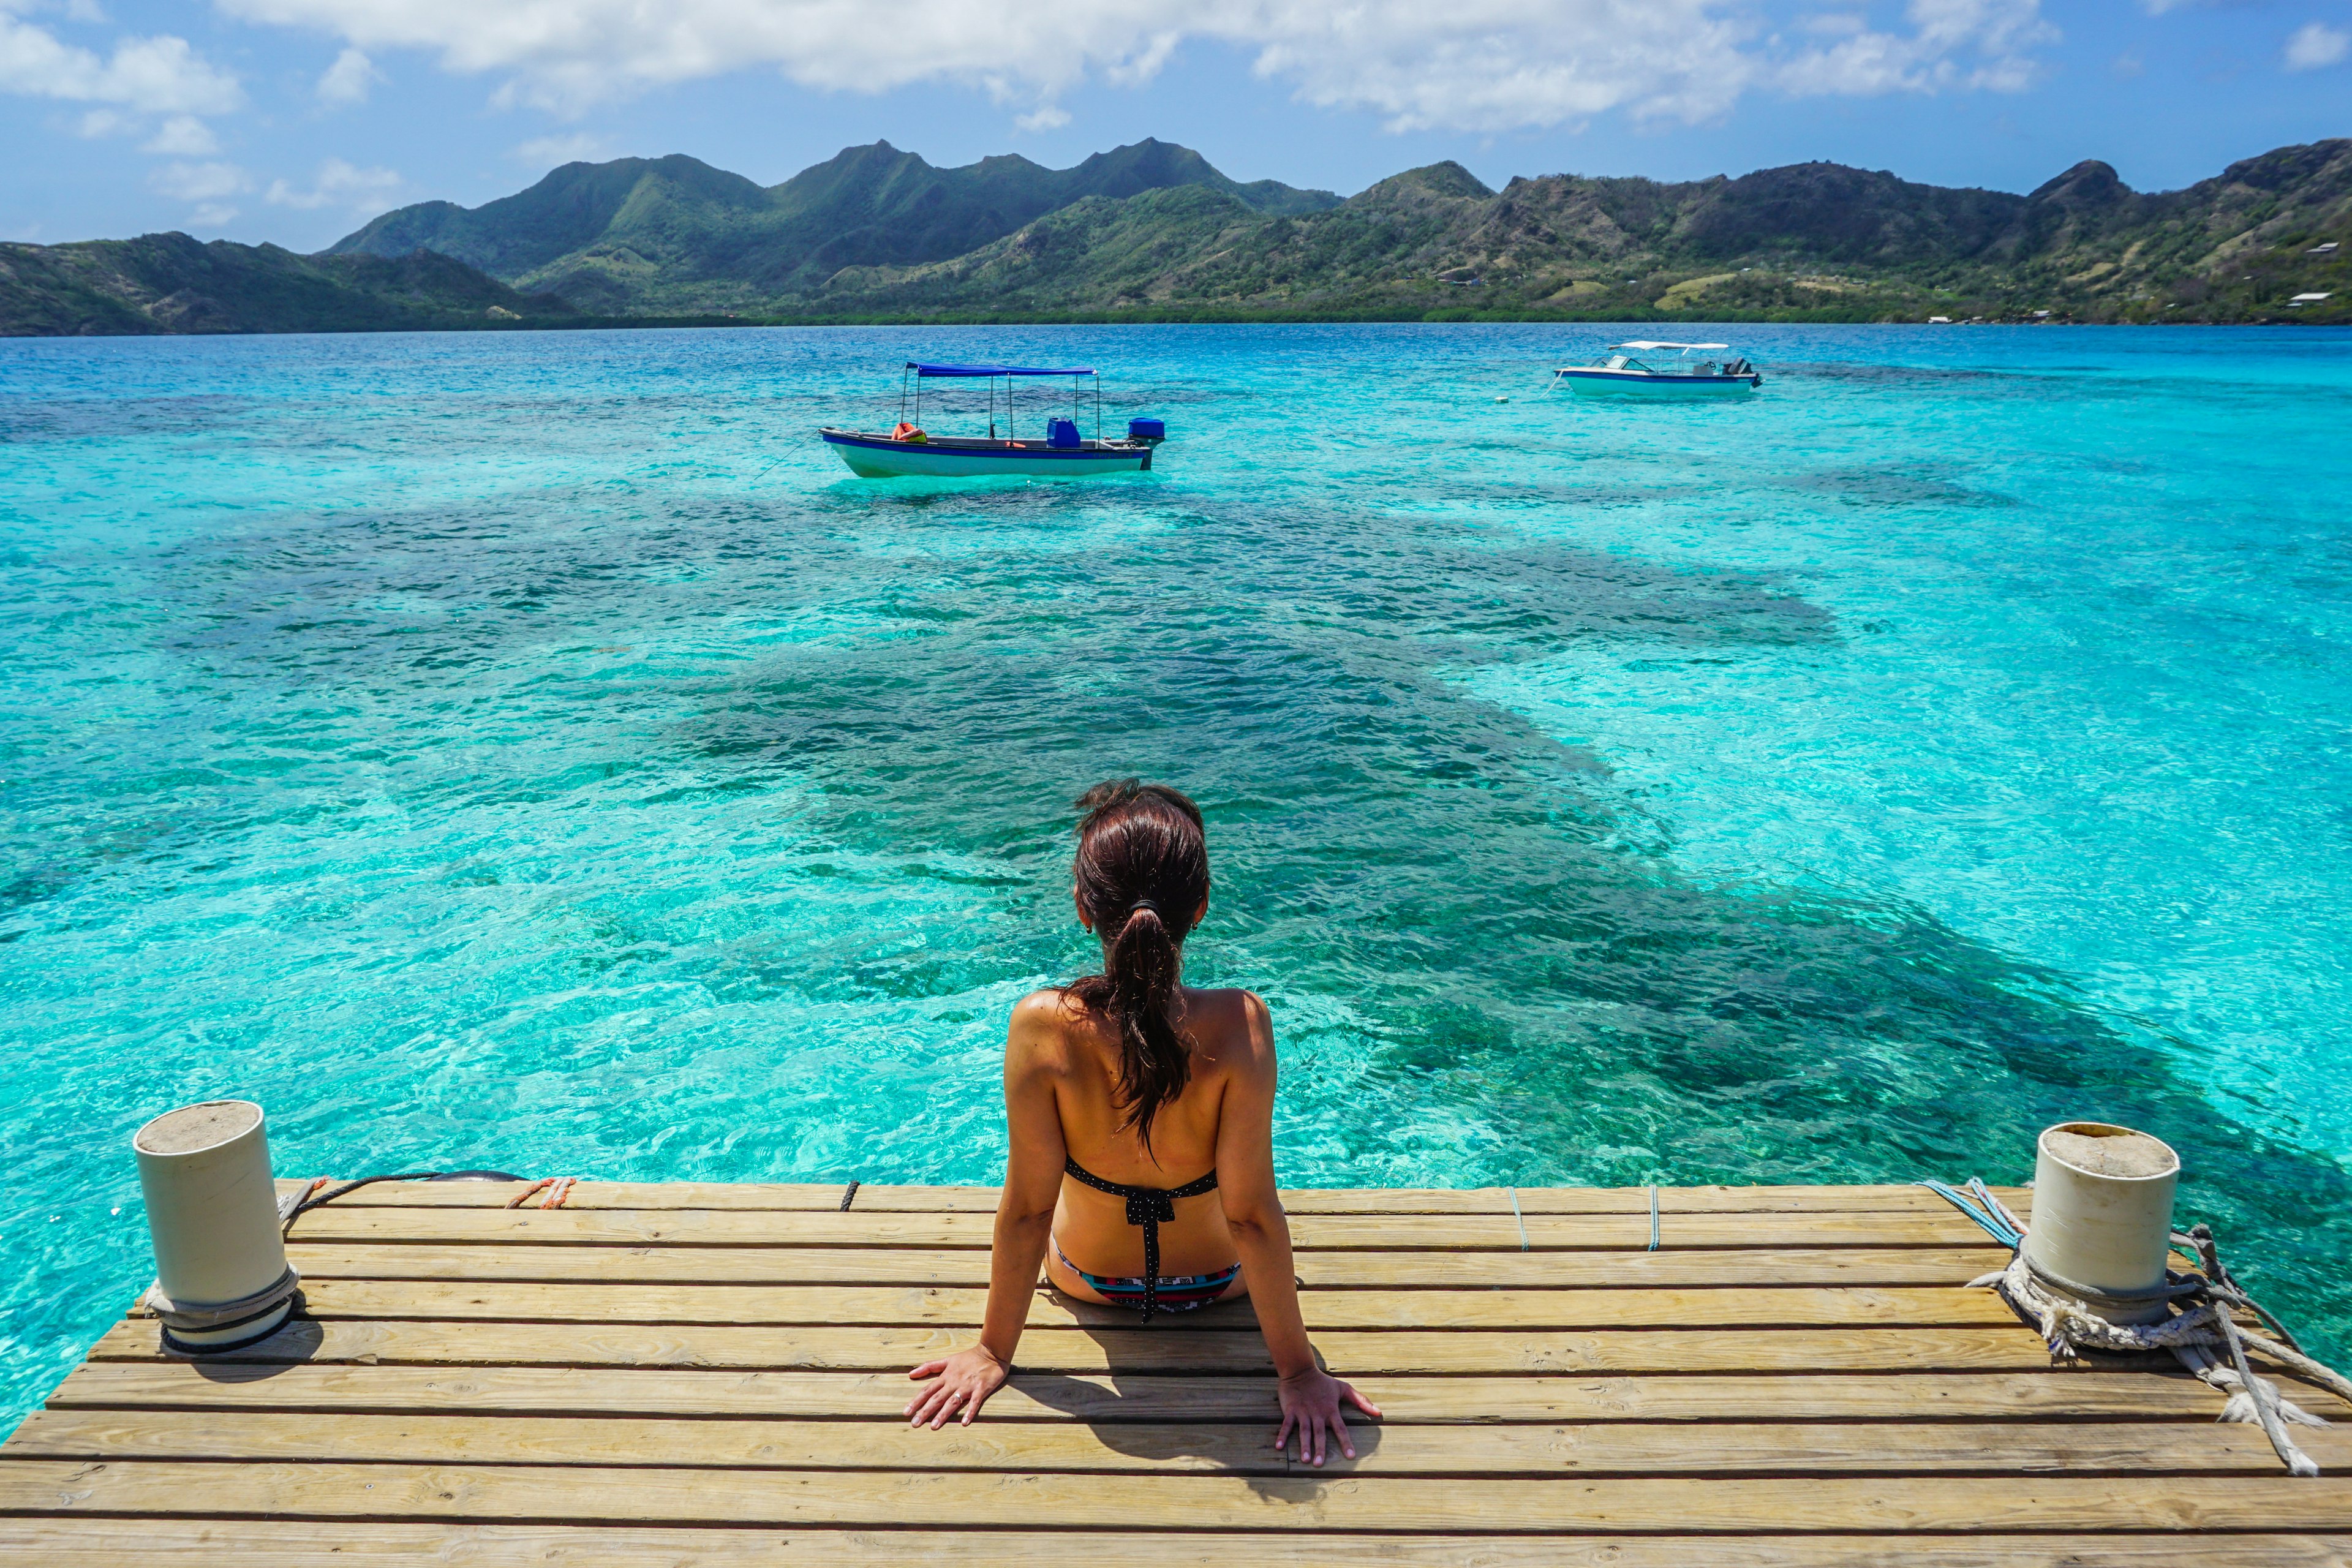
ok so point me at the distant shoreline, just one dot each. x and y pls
(1197, 319)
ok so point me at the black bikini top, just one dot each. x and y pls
(1150, 1207)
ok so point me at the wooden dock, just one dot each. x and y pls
(683, 1374)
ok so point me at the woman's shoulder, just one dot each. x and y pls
(1234, 1023)
(1053, 1007)
(1043, 1026)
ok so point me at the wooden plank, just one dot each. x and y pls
(1386, 1270)
(825, 1197)
(60, 1542)
(640, 1495)
(1036, 1447)
(1443, 1232)
(1173, 1348)
(2041, 1395)
(910, 1305)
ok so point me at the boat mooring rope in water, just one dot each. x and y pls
(2071, 1320)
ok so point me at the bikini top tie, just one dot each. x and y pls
(1150, 1207)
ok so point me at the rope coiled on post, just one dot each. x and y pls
(2201, 1324)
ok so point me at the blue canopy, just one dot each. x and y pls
(920, 369)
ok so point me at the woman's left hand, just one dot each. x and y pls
(966, 1379)
(1314, 1405)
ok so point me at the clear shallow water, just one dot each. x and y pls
(535, 750)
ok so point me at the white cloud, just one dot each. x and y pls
(1479, 65)
(2316, 45)
(547, 151)
(182, 136)
(200, 181)
(1044, 117)
(160, 75)
(339, 184)
(1963, 45)
(347, 79)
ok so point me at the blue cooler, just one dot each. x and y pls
(1061, 433)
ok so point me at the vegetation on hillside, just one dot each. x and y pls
(671, 234)
(1152, 232)
(1812, 242)
(162, 283)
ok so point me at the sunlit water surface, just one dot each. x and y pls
(535, 750)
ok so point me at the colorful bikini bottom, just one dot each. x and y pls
(1177, 1293)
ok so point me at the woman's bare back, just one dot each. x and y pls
(1074, 1048)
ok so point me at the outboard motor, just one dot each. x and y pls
(1061, 433)
(1150, 432)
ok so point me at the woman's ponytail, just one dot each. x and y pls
(1142, 875)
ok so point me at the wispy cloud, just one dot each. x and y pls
(1953, 45)
(546, 152)
(1474, 65)
(339, 184)
(160, 75)
(200, 181)
(207, 186)
(182, 136)
(2316, 45)
(348, 80)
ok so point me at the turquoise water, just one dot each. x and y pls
(535, 750)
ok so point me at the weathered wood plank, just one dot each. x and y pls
(994, 1444)
(1175, 1348)
(2041, 1395)
(1386, 1270)
(58, 1541)
(929, 1306)
(1442, 1233)
(638, 1495)
(825, 1197)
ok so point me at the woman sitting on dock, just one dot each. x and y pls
(1113, 1086)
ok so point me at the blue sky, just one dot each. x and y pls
(294, 121)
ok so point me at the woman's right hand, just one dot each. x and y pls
(1314, 1405)
(966, 1379)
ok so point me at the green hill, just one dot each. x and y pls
(673, 234)
(162, 283)
(1153, 231)
(1811, 241)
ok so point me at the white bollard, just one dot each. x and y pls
(221, 1276)
(2103, 1215)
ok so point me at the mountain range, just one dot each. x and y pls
(1153, 232)
(166, 283)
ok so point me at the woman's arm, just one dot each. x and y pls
(1313, 1401)
(1025, 1221)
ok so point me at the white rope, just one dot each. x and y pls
(2069, 1327)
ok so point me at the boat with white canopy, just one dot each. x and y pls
(1644, 368)
(1059, 452)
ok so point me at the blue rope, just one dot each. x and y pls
(1981, 1207)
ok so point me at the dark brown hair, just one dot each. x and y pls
(1142, 874)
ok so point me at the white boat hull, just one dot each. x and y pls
(1636, 383)
(871, 457)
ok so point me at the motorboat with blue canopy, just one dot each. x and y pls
(1057, 452)
(1647, 368)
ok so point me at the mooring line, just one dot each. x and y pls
(848, 1195)
(1518, 1215)
(1654, 1216)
